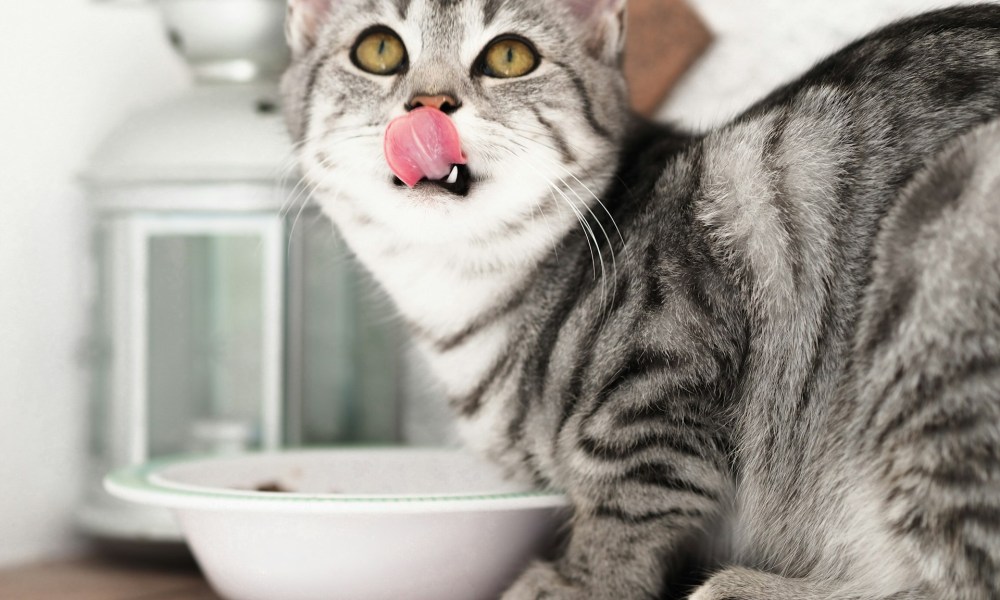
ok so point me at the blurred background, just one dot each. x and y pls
(116, 155)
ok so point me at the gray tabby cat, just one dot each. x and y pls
(771, 351)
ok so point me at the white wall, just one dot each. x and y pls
(70, 69)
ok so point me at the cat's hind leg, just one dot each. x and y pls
(928, 358)
(922, 431)
(746, 584)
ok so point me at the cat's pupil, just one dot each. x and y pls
(381, 47)
(510, 54)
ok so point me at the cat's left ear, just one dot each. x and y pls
(604, 21)
(305, 20)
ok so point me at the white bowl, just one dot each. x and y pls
(372, 524)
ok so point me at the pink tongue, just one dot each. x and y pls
(422, 143)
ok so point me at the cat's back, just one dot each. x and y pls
(947, 54)
(805, 176)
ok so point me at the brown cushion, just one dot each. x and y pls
(665, 37)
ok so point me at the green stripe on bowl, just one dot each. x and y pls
(139, 478)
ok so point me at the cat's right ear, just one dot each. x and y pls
(604, 21)
(305, 20)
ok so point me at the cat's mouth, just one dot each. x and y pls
(458, 181)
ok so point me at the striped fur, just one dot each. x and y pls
(770, 355)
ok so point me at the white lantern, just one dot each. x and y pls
(227, 316)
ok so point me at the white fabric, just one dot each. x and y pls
(761, 44)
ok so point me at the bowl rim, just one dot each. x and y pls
(144, 484)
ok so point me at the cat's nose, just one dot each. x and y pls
(443, 102)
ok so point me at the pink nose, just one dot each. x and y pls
(443, 102)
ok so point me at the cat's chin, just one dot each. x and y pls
(458, 183)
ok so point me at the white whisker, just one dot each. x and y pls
(614, 265)
(592, 242)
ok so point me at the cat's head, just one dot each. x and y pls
(534, 89)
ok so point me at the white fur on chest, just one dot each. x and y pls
(444, 289)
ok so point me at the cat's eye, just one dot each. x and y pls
(379, 51)
(509, 56)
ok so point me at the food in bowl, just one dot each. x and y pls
(273, 487)
(407, 523)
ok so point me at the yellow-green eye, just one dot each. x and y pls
(379, 51)
(509, 57)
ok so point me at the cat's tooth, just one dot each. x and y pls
(453, 177)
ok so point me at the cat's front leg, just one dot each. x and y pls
(622, 549)
(602, 561)
(645, 494)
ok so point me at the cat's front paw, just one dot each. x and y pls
(705, 592)
(737, 583)
(543, 582)
(733, 583)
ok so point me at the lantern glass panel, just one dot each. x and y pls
(206, 306)
(344, 369)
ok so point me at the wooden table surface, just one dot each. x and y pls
(101, 579)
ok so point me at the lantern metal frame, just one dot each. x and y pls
(130, 237)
